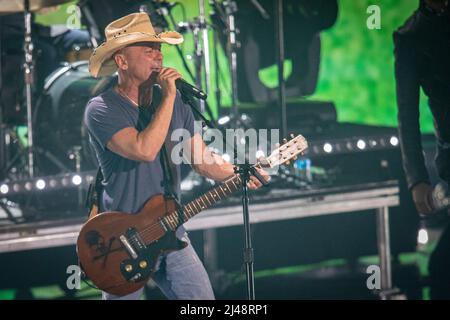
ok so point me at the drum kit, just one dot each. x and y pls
(15, 167)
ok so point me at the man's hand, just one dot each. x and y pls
(421, 194)
(166, 79)
(254, 183)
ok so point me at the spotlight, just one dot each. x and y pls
(349, 146)
(28, 186)
(223, 120)
(4, 188)
(40, 184)
(327, 147)
(64, 182)
(16, 187)
(361, 144)
(422, 237)
(394, 141)
(76, 180)
(52, 183)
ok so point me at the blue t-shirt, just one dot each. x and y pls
(128, 184)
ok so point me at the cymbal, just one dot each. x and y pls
(11, 6)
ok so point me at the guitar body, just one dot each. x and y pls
(118, 251)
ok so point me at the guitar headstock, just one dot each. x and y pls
(287, 151)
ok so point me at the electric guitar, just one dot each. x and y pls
(118, 251)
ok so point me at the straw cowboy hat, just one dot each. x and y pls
(135, 27)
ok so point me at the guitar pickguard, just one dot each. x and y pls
(144, 264)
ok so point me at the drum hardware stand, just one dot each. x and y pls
(199, 28)
(168, 12)
(29, 83)
(230, 9)
(7, 168)
(3, 156)
(217, 67)
(227, 16)
(261, 9)
(29, 79)
(94, 32)
(279, 40)
(203, 54)
(75, 154)
(195, 27)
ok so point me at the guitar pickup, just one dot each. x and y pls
(128, 247)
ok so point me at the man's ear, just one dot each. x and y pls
(120, 60)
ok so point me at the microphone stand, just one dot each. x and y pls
(230, 9)
(204, 51)
(226, 12)
(28, 70)
(245, 171)
(280, 61)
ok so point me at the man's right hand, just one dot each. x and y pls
(166, 79)
(421, 194)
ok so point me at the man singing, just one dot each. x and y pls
(130, 158)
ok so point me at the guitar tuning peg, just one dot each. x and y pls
(294, 158)
(284, 140)
(292, 135)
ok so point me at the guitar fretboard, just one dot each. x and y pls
(203, 202)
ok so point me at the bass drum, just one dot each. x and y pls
(61, 136)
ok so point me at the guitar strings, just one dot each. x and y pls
(151, 229)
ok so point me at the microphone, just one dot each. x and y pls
(189, 89)
(184, 87)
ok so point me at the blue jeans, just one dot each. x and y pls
(181, 275)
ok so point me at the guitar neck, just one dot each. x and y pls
(203, 202)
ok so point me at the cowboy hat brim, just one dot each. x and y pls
(101, 63)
